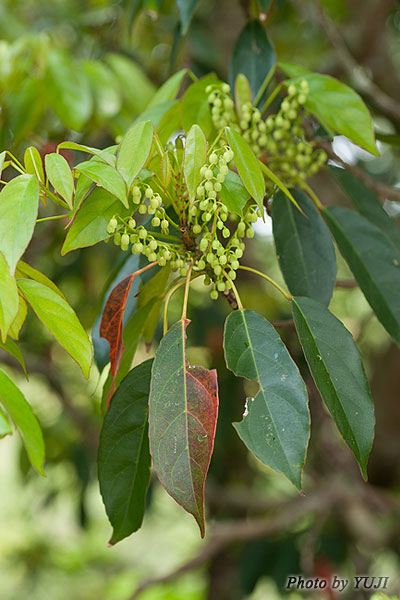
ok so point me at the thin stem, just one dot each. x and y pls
(192, 76)
(186, 297)
(264, 86)
(51, 218)
(276, 285)
(234, 289)
(166, 236)
(271, 98)
(17, 168)
(167, 299)
(172, 222)
(215, 142)
(312, 195)
(15, 159)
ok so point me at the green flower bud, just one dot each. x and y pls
(201, 265)
(203, 244)
(142, 209)
(221, 286)
(223, 259)
(184, 271)
(223, 169)
(217, 270)
(239, 252)
(209, 186)
(200, 191)
(152, 257)
(143, 233)
(203, 170)
(302, 98)
(213, 158)
(228, 155)
(217, 186)
(112, 225)
(214, 295)
(225, 232)
(209, 174)
(235, 264)
(212, 194)
(153, 245)
(232, 275)
(161, 261)
(220, 178)
(226, 88)
(117, 238)
(137, 248)
(292, 90)
(149, 193)
(164, 225)
(155, 222)
(196, 229)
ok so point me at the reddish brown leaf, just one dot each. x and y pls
(182, 418)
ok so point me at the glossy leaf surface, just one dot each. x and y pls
(233, 193)
(19, 201)
(124, 457)
(60, 176)
(304, 247)
(195, 107)
(195, 157)
(134, 150)
(253, 55)
(374, 261)
(336, 367)
(105, 176)
(182, 418)
(248, 166)
(276, 422)
(367, 203)
(25, 421)
(60, 319)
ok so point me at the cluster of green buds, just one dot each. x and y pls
(215, 236)
(221, 105)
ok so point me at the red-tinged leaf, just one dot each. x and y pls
(111, 322)
(183, 410)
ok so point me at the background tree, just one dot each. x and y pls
(86, 76)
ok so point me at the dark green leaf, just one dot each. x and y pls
(367, 203)
(374, 261)
(25, 421)
(90, 223)
(233, 193)
(336, 367)
(253, 56)
(248, 166)
(182, 421)
(124, 458)
(195, 157)
(388, 138)
(19, 201)
(186, 11)
(134, 150)
(276, 422)
(195, 107)
(304, 247)
(60, 319)
(11, 347)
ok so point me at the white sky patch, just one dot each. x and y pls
(263, 229)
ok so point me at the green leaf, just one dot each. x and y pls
(90, 223)
(60, 319)
(107, 155)
(374, 261)
(25, 421)
(170, 121)
(276, 422)
(5, 427)
(169, 89)
(338, 372)
(293, 70)
(11, 348)
(60, 176)
(338, 106)
(186, 11)
(248, 166)
(253, 55)
(182, 420)
(105, 176)
(233, 194)
(195, 157)
(165, 170)
(195, 107)
(25, 271)
(105, 89)
(124, 459)
(68, 90)
(19, 202)
(134, 150)
(388, 138)
(19, 320)
(367, 203)
(33, 163)
(153, 290)
(304, 248)
(2, 159)
(9, 299)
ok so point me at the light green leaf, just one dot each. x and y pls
(19, 320)
(60, 176)
(293, 70)
(338, 106)
(374, 261)
(233, 194)
(337, 370)
(90, 223)
(11, 347)
(136, 87)
(33, 163)
(107, 155)
(60, 319)
(105, 88)
(304, 248)
(248, 166)
(9, 299)
(25, 421)
(195, 157)
(2, 159)
(195, 107)
(169, 89)
(25, 271)
(5, 427)
(276, 423)
(105, 176)
(134, 150)
(19, 201)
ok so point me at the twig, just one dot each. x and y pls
(382, 190)
(346, 283)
